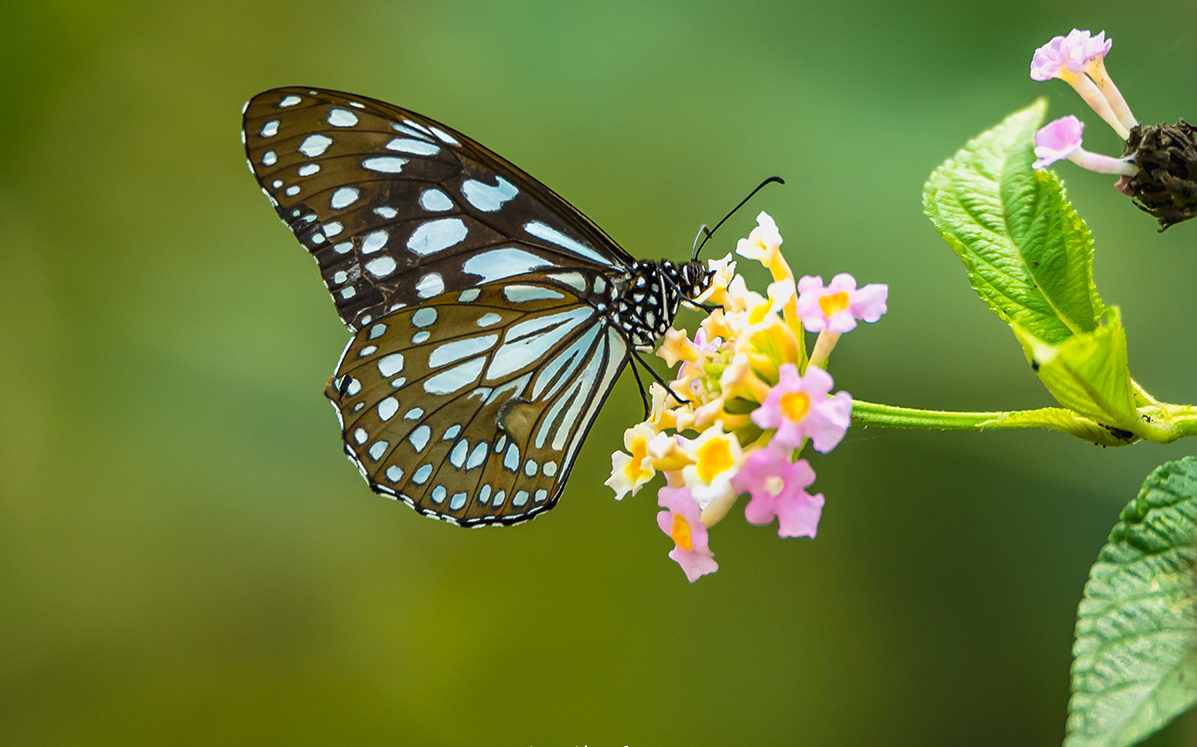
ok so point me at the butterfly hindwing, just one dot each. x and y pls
(472, 406)
(397, 208)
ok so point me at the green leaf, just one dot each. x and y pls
(1088, 373)
(1027, 253)
(1135, 657)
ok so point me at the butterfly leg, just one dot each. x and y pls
(643, 394)
(655, 375)
(707, 307)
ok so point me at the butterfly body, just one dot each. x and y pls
(491, 317)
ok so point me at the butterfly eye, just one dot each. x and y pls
(490, 317)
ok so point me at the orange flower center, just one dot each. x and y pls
(633, 469)
(794, 405)
(681, 533)
(834, 303)
(714, 457)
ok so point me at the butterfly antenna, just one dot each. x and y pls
(703, 234)
(711, 232)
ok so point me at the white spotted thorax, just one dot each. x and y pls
(491, 317)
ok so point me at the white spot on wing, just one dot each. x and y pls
(377, 449)
(341, 118)
(289, 101)
(422, 474)
(435, 201)
(308, 169)
(270, 129)
(389, 365)
(526, 293)
(381, 266)
(269, 158)
(443, 136)
(572, 279)
(477, 456)
(374, 241)
(424, 317)
(437, 235)
(430, 285)
(419, 438)
(455, 379)
(315, 145)
(387, 408)
(504, 262)
(455, 350)
(486, 197)
(343, 198)
(384, 164)
(414, 147)
(553, 236)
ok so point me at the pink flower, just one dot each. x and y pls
(1057, 140)
(1074, 52)
(836, 308)
(1083, 48)
(1061, 138)
(799, 408)
(682, 521)
(1079, 60)
(1048, 59)
(778, 489)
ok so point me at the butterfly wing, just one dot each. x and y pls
(482, 351)
(397, 208)
(472, 407)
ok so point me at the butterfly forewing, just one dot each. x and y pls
(397, 208)
(472, 406)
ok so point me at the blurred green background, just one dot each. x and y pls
(186, 556)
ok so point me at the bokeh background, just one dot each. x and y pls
(186, 557)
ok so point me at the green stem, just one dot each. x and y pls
(1160, 423)
(891, 416)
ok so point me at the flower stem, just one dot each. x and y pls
(1159, 423)
(892, 416)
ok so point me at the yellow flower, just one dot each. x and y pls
(631, 471)
(677, 347)
(724, 272)
(716, 458)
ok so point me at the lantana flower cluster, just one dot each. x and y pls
(1158, 167)
(753, 401)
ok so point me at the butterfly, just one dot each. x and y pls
(491, 318)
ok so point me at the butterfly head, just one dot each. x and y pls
(693, 279)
